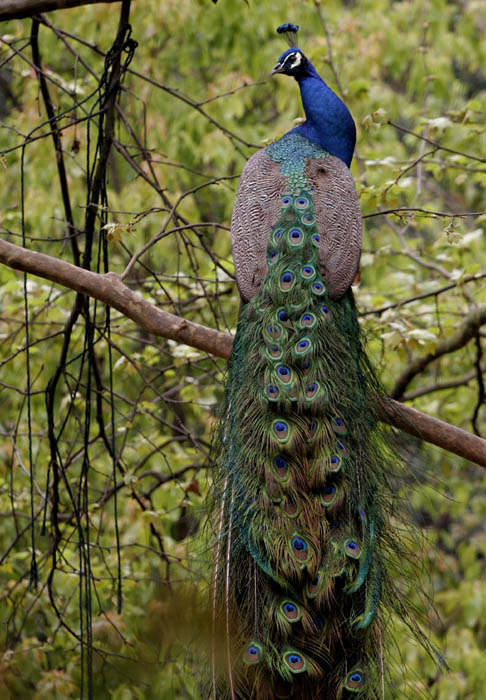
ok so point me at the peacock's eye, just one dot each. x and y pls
(252, 654)
(325, 310)
(274, 330)
(295, 236)
(302, 203)
(272, 392)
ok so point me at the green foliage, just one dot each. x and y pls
(415, 64)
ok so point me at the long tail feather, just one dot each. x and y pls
(307, 535)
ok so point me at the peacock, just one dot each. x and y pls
(302, 502)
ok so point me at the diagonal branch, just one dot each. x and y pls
(463, 380)
(468, 330)
(109, 289)
(18, 9)
(435, 143)
(446, 436)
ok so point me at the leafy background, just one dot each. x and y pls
(200, 102)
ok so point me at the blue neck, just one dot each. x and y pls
(328, 121)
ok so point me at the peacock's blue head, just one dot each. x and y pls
(292, 62)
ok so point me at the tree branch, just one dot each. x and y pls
(425, 295)
(473, 321)
(435, 143)
(444, 435)
(56, 137)
(463, 380)
(18, 9)
(109, 289)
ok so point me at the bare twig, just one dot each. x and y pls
(414, 256)
(425, 295)
(56, 137)
(469, 328)
(435, 143)
(426, 212)
(159, 237)
(463, 380)
(192, 103)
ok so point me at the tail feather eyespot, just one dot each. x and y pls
(301, 203)
(355, 681)
(252, 654)
(291, 611)
(353, 549)
(296, 237)
(287, 280)
(295, 661)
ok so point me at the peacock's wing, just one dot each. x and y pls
(255, 212)
(338, 219)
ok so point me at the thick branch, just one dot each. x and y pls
(17, 9)
(109, 289)
(473, 321)
(447, 436)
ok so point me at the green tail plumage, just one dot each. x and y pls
(301, 501)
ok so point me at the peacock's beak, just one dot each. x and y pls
(276, 69)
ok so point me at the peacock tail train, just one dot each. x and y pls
(302, 503)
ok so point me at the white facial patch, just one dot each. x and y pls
(298, 60)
